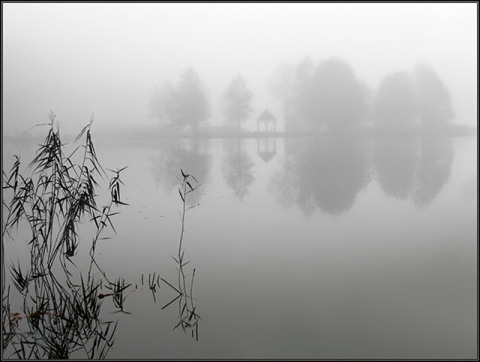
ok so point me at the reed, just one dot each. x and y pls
(188, 318)
(60, 310)
(59, 313)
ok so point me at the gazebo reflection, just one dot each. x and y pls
(266, 148)
(266, 145)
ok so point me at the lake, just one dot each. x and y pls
(321, 247)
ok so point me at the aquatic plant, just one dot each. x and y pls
(188, 318)
(55, 310)
(60, 308)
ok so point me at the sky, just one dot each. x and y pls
(104, 59)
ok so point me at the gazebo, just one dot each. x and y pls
(266, 118)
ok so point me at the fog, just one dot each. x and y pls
(105, 59)
(325, 153)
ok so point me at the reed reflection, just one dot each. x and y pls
(237, 167)
(52, 307)
(55, 309)
(188, 317)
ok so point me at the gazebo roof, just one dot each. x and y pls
(266, 116)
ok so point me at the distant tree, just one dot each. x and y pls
(282, 85)
(160, 102)
(304, 70)
(395, 104)
(304, 98)
(188, 107)
(434, 98)
(237, 101)
(340, 98)
(156, 110)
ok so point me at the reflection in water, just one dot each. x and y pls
(187, 154)
(285, 181)
(58, 321)
(336, 170)
(237, 168)
(266, 148)
(307, 173)
(413, 168)
(396, 162)
(52, 307)
(186, 304)
(436, 158)
(326, 173)
(60, 304)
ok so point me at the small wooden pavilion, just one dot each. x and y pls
(266, 118)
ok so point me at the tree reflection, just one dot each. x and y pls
(396, 161)
(435, 163)
(327, 173)
(237, 168)
(188, 154)
(336, 170)
(285, 182)
(413, 168)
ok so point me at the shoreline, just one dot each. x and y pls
(152, 135)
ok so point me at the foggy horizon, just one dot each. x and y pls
(104, 60)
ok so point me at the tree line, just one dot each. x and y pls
(326, 95)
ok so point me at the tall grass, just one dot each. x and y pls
(60, 308)
(54, 310)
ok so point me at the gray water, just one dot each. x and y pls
(302, 248)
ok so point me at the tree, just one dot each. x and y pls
(304, 98)
(155, 104)
(188, 106)
(434, 98)
(340, 99)
(160, 101)
(282, 87)
(236, 101)
(395, 104)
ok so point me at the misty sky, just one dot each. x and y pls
(84, 58)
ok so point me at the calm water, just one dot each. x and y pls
(303, 248)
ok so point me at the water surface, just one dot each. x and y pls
(327, 247)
